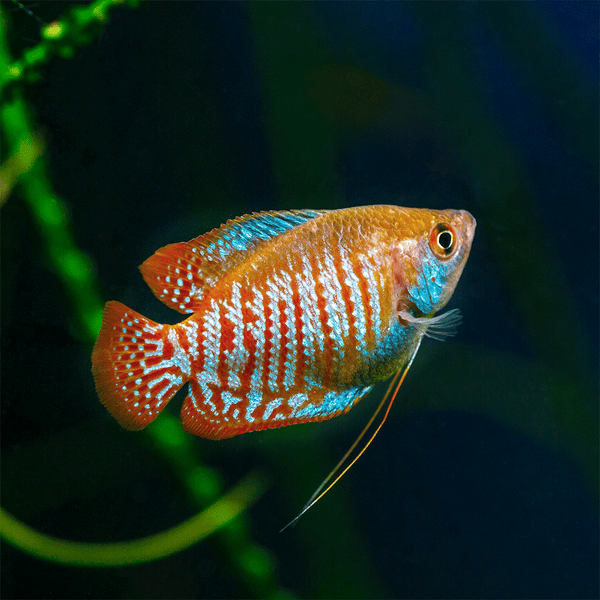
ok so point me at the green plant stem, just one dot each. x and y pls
(173, 540)
(79, 27)
(74, 269)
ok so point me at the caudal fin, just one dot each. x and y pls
(132, 365)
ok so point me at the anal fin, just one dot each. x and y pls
(218, 414)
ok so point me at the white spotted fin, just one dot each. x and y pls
(138, 365)
(179, 274)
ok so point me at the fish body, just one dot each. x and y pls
(293, 316)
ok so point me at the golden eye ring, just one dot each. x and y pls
(443, 241)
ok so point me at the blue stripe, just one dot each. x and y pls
(238, 356)
(335, 307)
(332, 403)
(275, 349)
(360, 323)
(374, 301)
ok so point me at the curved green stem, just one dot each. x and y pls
(75, 271)
(157, 546)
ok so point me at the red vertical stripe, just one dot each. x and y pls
(363, 285)
(300, 380)
(269, 347)
(249, 342)
(284, 333)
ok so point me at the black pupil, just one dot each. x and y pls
(445, 240)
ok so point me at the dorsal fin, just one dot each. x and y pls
(179, 274)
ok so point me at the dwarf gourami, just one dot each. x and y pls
(293, 317)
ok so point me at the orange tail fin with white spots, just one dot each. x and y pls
(134, 367)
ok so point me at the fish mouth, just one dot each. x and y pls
(467, 220)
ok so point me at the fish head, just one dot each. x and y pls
(429, 260)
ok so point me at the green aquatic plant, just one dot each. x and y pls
(26, 172)
(224, 510)
(79, 26)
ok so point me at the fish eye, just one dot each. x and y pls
(443, 240)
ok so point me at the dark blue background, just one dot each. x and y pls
(181, 115)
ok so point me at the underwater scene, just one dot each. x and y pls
(128, 126)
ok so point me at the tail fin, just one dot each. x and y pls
(133, 366)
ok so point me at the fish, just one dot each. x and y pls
(291, 316)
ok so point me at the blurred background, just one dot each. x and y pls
(181, 115)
